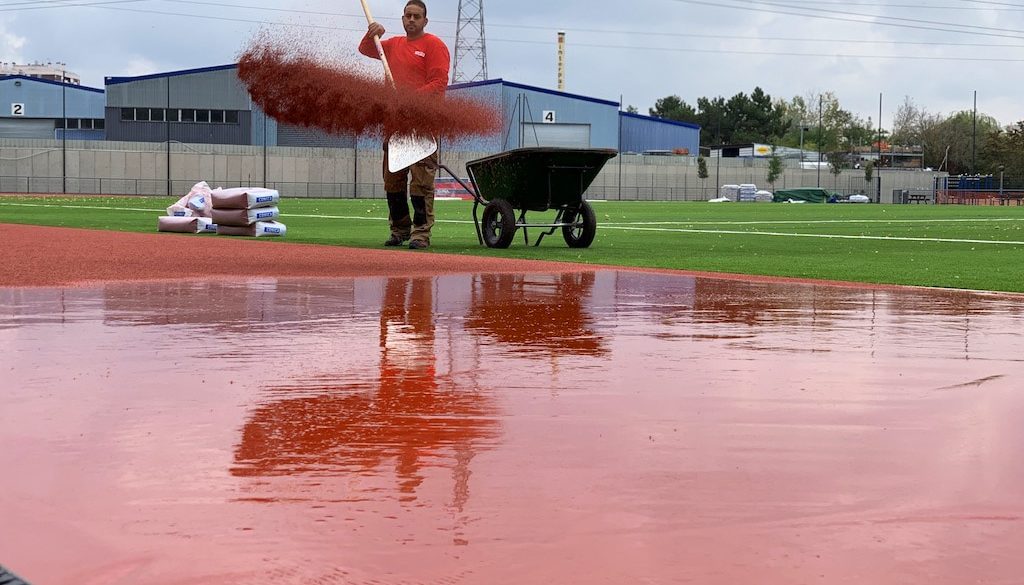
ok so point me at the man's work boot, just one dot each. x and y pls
(418, 245)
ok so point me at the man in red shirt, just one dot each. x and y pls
(418, 61)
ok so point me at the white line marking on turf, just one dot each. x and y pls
(634, 227)
(826, 236)
(816, 221)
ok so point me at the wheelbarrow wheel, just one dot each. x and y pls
(584, 226)
(499, 224)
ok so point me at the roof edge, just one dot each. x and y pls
(118, 80)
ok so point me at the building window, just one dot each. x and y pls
(185, 115)
(71, 123)
(99, 124)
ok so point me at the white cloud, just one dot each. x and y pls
(11, 44)
(655, 49)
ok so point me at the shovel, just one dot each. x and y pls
(404, 150)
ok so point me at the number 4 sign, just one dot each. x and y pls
(17, 109)
(549, 117)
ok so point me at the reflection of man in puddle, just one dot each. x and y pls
(340, 430)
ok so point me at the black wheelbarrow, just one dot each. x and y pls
(534, 179)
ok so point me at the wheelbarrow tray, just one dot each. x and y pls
(538, 178)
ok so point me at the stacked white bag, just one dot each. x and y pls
(729, 191)
(747, 192)
(191, 214)
(247, 211)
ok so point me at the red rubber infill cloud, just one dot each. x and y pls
(294, 87)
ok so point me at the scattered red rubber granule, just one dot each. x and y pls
(294, 87)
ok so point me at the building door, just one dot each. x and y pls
(566, 135)
(26, 128)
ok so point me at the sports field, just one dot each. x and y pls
(968, 247)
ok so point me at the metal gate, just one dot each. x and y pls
(566, 135)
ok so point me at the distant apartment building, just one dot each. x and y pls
(49, 71)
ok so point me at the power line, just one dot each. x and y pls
(840, 19)
(3, 7)
(817, 55)
(105, 5)
(916, 20)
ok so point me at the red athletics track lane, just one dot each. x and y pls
(220, 423)
(53, 256)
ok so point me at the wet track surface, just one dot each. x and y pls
(588, 427)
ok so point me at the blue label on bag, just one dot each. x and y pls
(264, 214)
(271, 230)
(264, 199)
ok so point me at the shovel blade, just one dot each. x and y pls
(405, 150)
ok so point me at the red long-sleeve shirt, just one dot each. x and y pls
(421, 65)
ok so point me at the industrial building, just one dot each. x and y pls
(210, 105)
(34, 107)
(646, 134)
(199, 106)
(535, 116)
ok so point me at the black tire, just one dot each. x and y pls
(499, 224)
(581, 233)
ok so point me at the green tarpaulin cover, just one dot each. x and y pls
(808, 194)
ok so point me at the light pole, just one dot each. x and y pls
(819, 140)
(802, 128)
(64, 133)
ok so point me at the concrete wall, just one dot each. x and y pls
(141, 168)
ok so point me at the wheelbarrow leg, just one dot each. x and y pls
(522, 221)
(476, 200)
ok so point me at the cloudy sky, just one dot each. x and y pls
(938, 52)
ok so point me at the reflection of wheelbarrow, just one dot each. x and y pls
(534, 179)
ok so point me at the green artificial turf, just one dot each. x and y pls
(766, 239)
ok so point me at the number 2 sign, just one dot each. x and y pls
(17, 109)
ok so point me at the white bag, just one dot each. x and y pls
(256, 230)
(243, 217)
(244, 198)
(185, 225)
(197, 203)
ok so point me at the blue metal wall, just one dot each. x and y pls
(523, 104)
(640, 133)
(46, 99)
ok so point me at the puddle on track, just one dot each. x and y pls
(606, 427)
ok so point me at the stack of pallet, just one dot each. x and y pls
(247, 211)
(747, 192)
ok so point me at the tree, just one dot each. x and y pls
(908, 123)
(836, 164)
(774, 168)
(632, 109)
(702, 173)
(674, 108)
(869, 171)
(950, 141)
(1006, 149)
